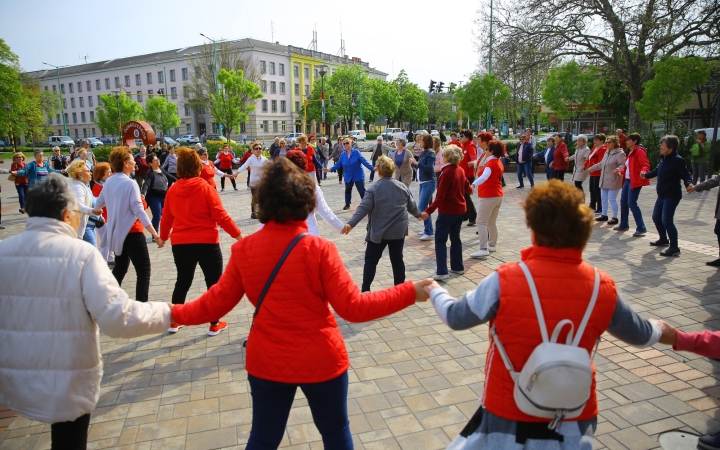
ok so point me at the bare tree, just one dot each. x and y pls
(629, 35)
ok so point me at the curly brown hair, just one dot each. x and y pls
(298, 158)
(99, 170)
(117, 158)
(188, 163)
(497, 148)
(285, 193)
(558, 216)
(427, 141)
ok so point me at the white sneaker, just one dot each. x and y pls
(480, 253)
(426, 237)
(441, 277)
(459, 272)
(491, 249)
(421, 233)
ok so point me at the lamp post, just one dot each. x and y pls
(716, 123)
(62, 108)
(214, 42)
(489, 117)
(360, 88)
(117, 102)
(12, 138)
(322, 95)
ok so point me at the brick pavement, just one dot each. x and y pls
(413, 383)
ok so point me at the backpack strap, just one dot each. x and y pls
(503, 354)
(588, 312)
(536, 301)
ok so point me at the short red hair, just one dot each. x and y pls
(298, 158)
(485, 136)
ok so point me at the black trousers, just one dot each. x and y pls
(232, 180)
(595, 193)
(187, 257)
(560, 175)
(373, 253)
(70, 435)
(471, 213)
(578, 184)
(134, 249)
(340, 173)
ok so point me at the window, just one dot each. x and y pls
(92, 119)
(84, 133)
(79, 86)
(107, 83)
(97, 85)
(297, 88)
(264, 106)
(72, 101)
(265, 126)
(172, 74)
(82, 102)
(76, 133)
(275, 127)
(161, 77)
(90, 101)
(173, 93)
(297, 106)
(127, 80)
(273, 106)
(88, 85)
(57, 118)
(99, 100)
(117, 82)
(263, 86)
(93, 131)
(184, 73)
(187, 110)
(62, 88)
(187, 128)
(54, 88)
(177, 131)
(282, 69)
(282, 87)
(149, 77)
(74, 117)
(70, 85)
(242, 127)
(139, 96)
(82, 117)
(186, 91)
(316, 73)
(307, 72)
(263, 70)
(283, 106)
(64, 103)
(282, 125)
(150, 94)
(307, 90)
(296, 71)
(272, 68)
(273, 87)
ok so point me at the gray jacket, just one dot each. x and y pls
(386, 203)
(379, 151)
(612, 160)
(579, 157)
(707, 185)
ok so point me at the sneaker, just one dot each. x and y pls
(346, 207)
(480, 253)
(441, 277)
(215, 329)
(427, 237)
(174, 327)
(601, 219)
(619, 228)
(660, 243)
(715, 263)
(111, 265)
(2, 227)
(710, 442)
(670, 251)
(492, 249)
(459, 272)
(222, 190)
(639, 233)
(252, 216)
(612, 221)
(519, 187)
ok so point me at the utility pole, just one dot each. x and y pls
(322, 95)
(716, 122)
(62, 108)
(220, 127)
(489, 117)
(360, 87)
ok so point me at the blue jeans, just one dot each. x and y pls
(426, 191)
(22, 192)
(526, 168)
(324, 174)
(628, 202)
(89, 235)
(359, 185)
(663, 215)
(271, 407)
(445, 226)
(372, 172)
(156, 205)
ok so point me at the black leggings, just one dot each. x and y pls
(187, 257)
(70, 435)
(232, 180)
(595, 193)
(373, 253)
(578, 184)
(560, 175)
(134, 249)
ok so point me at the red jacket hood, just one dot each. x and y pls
(187, 187)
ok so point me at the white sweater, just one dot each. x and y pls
(325, 212)
(84, 198)
(55, 292)
(121, 196)
(256, 168)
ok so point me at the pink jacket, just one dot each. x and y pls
(705, 344)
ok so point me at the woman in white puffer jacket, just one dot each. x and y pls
(50, 362)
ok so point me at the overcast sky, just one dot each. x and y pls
(427, 40)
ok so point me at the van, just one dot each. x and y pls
(60, 141)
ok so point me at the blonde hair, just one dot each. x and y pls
(282, 142)
(302, 139)
(56, 148)
(436, 144)
(614, 139)
(452, 154)
(20, 154)
(385, 166)
(75, 168)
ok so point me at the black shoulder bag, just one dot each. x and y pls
(268, 283)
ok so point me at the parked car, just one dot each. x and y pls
(2, 143)
(391, 133)
(545, 138)
(434, 133)
(290, 136)
(217, 139)
(168, 141)
(60, 141)
(95, 142)
(188, 139)
(358, 135)
(420, 132)
(106, 140)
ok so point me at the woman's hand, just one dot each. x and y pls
(567, 159)
(97, 212)
(421, 292)
(160, 243)
(669, 333)
(424, 216)
(429, 287)
(346, 229)
(325, 170)
(170, 305)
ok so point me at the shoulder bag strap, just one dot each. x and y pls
(536, 301)
(588, 312)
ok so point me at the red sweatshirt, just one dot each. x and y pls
(705, 344)
(450, 198)
(225, 160)
(596, 155)
(469, 154)
(143, 166)
(193, 211)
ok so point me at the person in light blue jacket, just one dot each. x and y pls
(351, 162)
(36, 171)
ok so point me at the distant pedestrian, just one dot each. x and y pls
(379, 150)
(490, 193)
(58, 160)
(560, 164)
(596, 155)
(225, 160)
(579, 157)
(142, 166)
(699, 156)
(523, 156)
(338, 149)
(403, 159)
(155, 188)
(468, 164)
(243, 137)
(622, 137)
(36, 171)
(426, 181)
(256, 164)
(21, 183)
(548, 156)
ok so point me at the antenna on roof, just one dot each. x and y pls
(272, 31)
(341, 53)
(85, 58)
(313, 44)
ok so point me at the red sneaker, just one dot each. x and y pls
(174, 327)
(215, 329)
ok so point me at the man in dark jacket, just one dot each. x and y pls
(524, 162)
(379, 150)
(704, 186)
(671, 171)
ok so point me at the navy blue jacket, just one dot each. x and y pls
(549, 171)
(527, 153)
(670, 172)
(426, 166)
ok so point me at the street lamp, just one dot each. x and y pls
(117, 102)
(214, 42)
(62, 108)
(12, 138)
(323, 72)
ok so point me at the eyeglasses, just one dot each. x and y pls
(17, 157)
(257, 148)
(346, 143)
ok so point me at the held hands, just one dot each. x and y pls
(642, 174)
(97, 212)
(567, 159)
(429, 287)
(346, 229)
(690, 189)
(424, 216)
(669, 333)
(160, 243)
(421, 292)
(325, 170)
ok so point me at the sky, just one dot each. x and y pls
(391, 35)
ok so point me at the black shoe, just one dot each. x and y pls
(346, 207)
(470, 224)
(520, 187)
(660, 243)
(612, 221)
(710, 442)
(598, 211)
(601, 219)
(2, 227)
(235, 188)
(252, 216)
(715, 263)
(670, 251)
(111, 265)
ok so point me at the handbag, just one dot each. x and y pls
(268, 283)
(98, 221)
(11, 177)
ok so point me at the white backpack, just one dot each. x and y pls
(556, 380)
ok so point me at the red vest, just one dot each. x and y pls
(492, 187)
(564, 284)
(208, 173)
(225, 160)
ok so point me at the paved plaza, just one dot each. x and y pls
(414, 383)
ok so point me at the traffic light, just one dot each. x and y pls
(332, 100)
(161, 91)
(388, 118)
(440, 87)
(431, 89)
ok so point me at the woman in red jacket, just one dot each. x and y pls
(296, 341)
(559, 164)
(191, 215)
(225, 158)
(596, 155)
(636, 162)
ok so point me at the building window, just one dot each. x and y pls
(64, 104)
(70, 85)
(265, 126)
(90, 101)
(173, 93)
(184, 73)
(92, 119)
(316, 73)
(186, 91)
(264, 106)
(187, 110)
(282, 87)
(307, 90)
(283, 126)
(139, 96)
(82, 117)
(273, 106)
(74, 117)
(273, 87)
(117, 82)
(296, 71)
(99, 100)
(82, 102)
(161, 77)
(297, 106)
(187, 128)
(272, 68)
(79, 86)
(137, 79)
(127, 80)
(72, 101)
(283, 106)
(84, 132)
(263, 70)
(297, 88)
(149, 77)
(172, 74)
(150, 94)
(107, 83)
(93, 131)
(54, 88)
(307, 72)
(275, 127)
(62, 88)
(57, 118)
(282, 69)
(242, 127)
(76, 133)
(88, 85)
(97, 85)
(263, 86)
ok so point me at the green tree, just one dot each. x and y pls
(342, 85)
(385, 98)
(162, 113)
(106, 113)
(236, 98)
(571, 90)
(673, 84)
(413, 100)
(479, 95)
(439, 108)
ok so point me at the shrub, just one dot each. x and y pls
(371, 136)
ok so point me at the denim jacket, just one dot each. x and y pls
(426, 166)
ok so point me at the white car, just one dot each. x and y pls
(391, 134)
(289, 137)
(420, 132)
(434, 133)
(359, 135)
(188, 139)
